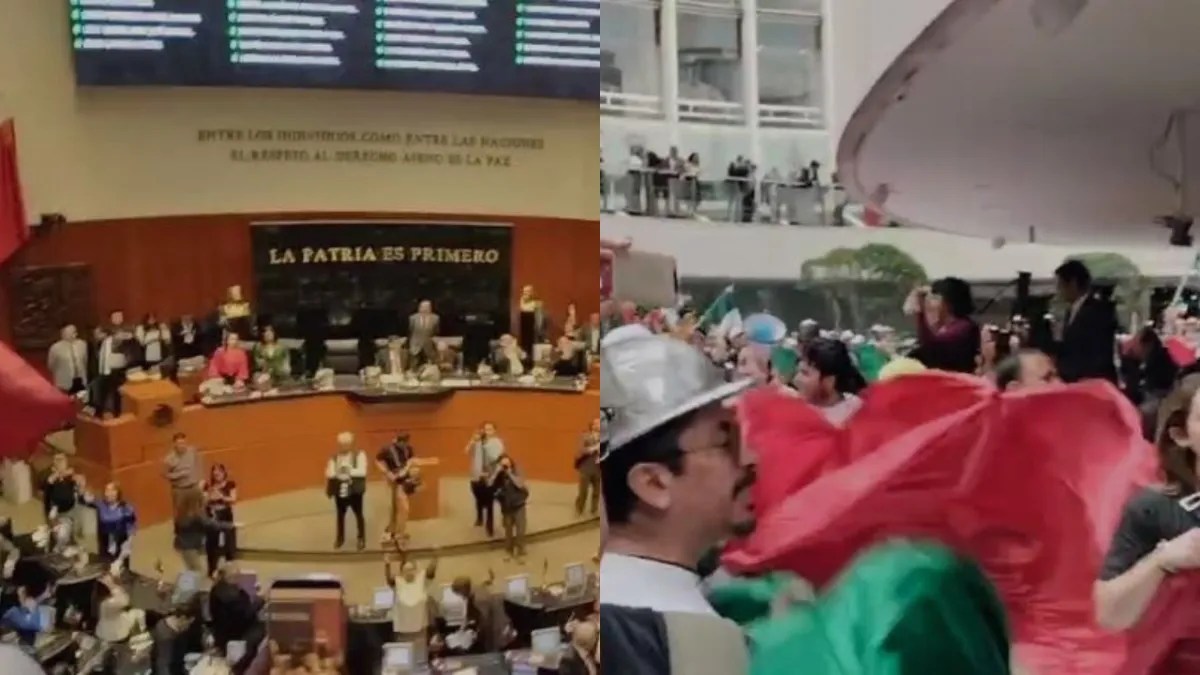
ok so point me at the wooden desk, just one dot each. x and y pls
(276, 446)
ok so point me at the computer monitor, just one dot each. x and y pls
(383, 597)
(546, 641)
(517, 587)
(247, 580)
(235, 651)
(575, 578)
(398, 657)
(48, 616)
(187, 584)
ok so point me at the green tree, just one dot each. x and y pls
(869, 281)
(1131, 290)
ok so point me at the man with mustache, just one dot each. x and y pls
(675, 482)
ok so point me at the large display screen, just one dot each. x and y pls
(547, 48)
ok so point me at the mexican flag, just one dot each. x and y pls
(723, 314)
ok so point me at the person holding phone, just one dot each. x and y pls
(485, 450)
(346, 485)
(220, 494)
(510, 490)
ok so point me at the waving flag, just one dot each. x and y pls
(30, 406)
(1031, 485)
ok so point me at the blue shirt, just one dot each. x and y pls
(27, 623)
(115, 519)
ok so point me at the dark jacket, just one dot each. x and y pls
(1088, 338)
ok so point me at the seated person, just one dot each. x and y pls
(445, 357)
(26, 618)
(272, 358)
(459, 622)
(580, 657)
(171, 640)
(569, 361)
(509, 358)
(393, 358)
(230, 362)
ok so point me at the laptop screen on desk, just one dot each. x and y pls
(384, 598)
(546, 641)
(398, 655)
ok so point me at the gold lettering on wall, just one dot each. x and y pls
(371, 147)
(309, 255)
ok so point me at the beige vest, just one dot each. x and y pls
(705, 645)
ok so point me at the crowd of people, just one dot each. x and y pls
(673, 185)
(673, 445)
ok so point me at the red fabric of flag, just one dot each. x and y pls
(1029, 484)
(30, 406)
(14, 228)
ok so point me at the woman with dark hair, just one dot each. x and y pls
(270, 357)
(947, 337)
(1153, 373)
(829, 380)
(116, 522)
(220, 494)
(1158, 535)
(192, 527)
(154, 337)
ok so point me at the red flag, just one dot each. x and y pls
(1030, 484)
(14, 229)
(30, 406)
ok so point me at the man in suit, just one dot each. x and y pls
(423, 327)
(392, 359)
(67, 361)
(1086, 347)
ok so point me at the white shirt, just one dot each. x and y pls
(410, 613)
(628, 581)
(843, 410)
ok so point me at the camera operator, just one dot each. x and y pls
(510, 490)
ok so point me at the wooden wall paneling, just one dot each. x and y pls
(183, 264)
(42, 299)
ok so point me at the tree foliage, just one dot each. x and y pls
(865, 282)
(1131, 290)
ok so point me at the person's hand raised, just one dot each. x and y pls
(1180, 553)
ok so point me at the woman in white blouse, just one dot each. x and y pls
(346, 484)
(153, 336)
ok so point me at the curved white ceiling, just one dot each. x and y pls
(989, 124)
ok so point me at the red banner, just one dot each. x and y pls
(606, 275)
(14, 229)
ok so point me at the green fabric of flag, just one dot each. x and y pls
(901, 609)
(785, 361)
(723, 305)
(871, 359)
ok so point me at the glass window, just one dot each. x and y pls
(629, 55)
(789, 60)
(709, 53)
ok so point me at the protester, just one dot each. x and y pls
(1027, 368)
(947, 337)
(674, 480)
(829, 380)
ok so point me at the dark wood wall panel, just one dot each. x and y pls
(183, 264)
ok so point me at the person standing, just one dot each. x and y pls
(1086, 349)
(67, 362)
(117, 350)
(192, 528)
(589, 470)
(423, 327)
(116, 521)
(395, 462)
(512, 493)
(485, 449)
(182, 467)
(186, 339)
(346, 484)
(410, 612)
(947, 337)
(675, 483)
(220, 494)
(154, 338)
(62, 493)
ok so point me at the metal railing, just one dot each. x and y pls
(664, 194)
(630, 105)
